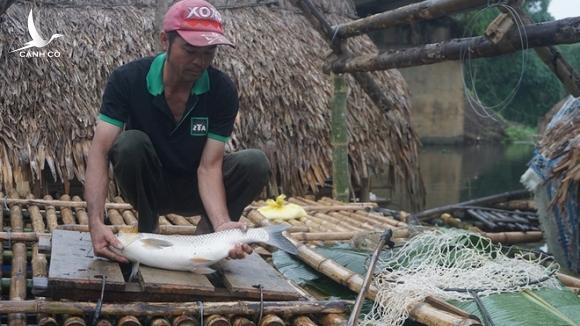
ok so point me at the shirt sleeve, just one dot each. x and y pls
(115, 103)
(224, 112)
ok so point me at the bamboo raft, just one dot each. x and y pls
(29, 223)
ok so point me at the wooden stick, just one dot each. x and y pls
(246, 308)
(424, 10)
(563, 31)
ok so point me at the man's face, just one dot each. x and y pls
(189, 61)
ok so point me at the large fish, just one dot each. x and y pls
(195, 253)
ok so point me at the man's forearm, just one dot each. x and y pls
(96, 186)
(213, 195)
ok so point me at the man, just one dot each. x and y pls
(163, 123)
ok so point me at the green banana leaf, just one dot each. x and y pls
(541, 307)
(304, 275)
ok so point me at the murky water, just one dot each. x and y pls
(456, 173)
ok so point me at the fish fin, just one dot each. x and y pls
(202, 270)
(200, 261)
(134, 271)
(278, 240)
(156, 243)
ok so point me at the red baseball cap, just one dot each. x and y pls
(197, 22)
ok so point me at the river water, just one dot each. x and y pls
(457, 173)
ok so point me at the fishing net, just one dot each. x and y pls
(452, 264)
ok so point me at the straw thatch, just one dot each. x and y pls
(49, 105)
(561, 142)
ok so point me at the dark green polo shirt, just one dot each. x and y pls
(134, 99)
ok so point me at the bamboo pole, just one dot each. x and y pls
(569, 281)
(339, 131)
(115, 217)
(129, 321)
(563, 31)
(177, 219)
(216, 320)
(66, 213)
(424, 10)
(49, 201)
(554, 60)
(514, 237)
(81, 213)
(36, 217)
(160, 322)
(128, 215)
(49, 321)
(246, 308)
(341, 236)
(333, 320)
(272, 320)
(242, 321)
(50, 211)
(18, 274)
(104, 322)
(367, 215)
(74, 321)
(483, 201)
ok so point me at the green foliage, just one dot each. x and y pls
(496, 77)
(520, 133)
(542, 307)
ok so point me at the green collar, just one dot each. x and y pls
(155, 78)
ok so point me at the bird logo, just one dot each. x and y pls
(37, 40)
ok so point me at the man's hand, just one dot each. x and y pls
(241, 249)
(103, 239)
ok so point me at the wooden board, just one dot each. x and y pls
(164, 281)
(240, 276)
(73, 264)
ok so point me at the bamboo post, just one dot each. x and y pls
(115, 217)
(424, 10)
(65, 212)
(554, 60)
(160, 322)
(303, 321)
(18, 274)
(563, 31)
(333, 320)
(184, 320)
(216, 320)
(104, 322)
(74, 321)
(51, 219)
(272, 320)
(339, 136)
(242, 321)
(129, 321)
(82, 215)
(130, 218)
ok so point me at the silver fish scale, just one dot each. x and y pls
(233, 235)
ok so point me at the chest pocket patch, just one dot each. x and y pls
(199, 126)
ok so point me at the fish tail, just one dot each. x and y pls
(278, 240)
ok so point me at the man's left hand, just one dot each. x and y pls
(241, 249)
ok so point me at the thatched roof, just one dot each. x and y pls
(560, 143)
(49, 105)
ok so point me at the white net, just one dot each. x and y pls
(448, 263)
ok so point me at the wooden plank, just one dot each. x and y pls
(240, 276)
(164, 281)
(44, 243)
(73, 264)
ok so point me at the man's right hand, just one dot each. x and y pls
(103, 239)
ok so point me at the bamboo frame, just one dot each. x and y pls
(413, 12)
(165, 309)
